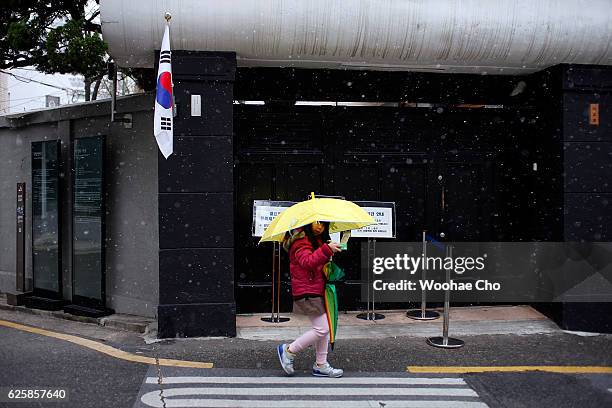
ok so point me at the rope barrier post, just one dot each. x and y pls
(370, 314)
(276, 276)
(445, 341)
(375, 316)
(271, 318)
(366, 315)
(423, 313)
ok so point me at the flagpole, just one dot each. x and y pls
(164, 98)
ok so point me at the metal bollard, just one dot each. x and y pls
(423, 313)
(370, 314)
(276, 276)
(445, 341)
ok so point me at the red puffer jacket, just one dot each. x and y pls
(306, 265)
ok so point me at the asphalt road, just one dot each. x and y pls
(93, 379)
(395, 354)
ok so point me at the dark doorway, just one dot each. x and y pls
(439, 167)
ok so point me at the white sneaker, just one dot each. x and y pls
(326, 371)
(286, 361)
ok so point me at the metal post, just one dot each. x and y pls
(373, 315)
(370, 314)
(275, 287)
(445, 341)
(114, 91)
(370, 291)
(278, 282)
(369, 284)
(423, 313)
(446, 309)
(271, 318)
(366, 315)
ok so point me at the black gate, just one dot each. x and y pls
(444, 169)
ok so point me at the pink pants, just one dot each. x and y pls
(318, 335)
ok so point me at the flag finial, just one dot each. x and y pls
(167, 16)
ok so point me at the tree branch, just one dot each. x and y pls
(94, 15)
(16, 64)
(94, 95)
(93, 27)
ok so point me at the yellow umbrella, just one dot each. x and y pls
(342, 215)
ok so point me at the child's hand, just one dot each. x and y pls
(334, 246)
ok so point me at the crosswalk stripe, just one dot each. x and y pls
(308, 380)
(268, 391)
(227, 403)
(300, 391)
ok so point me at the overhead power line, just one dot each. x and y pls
(56, 93)
(26, 79)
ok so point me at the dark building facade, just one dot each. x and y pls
(466, 157)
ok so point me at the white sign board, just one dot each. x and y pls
(264, 211)
(334, 236)
(385, 218)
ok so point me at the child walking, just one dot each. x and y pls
(309, 249)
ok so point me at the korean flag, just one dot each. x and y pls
(162, 127)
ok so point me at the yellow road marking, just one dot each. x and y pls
(485, 369)
(105, 349)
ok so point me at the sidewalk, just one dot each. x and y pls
(464, 321)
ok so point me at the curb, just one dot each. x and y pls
(106, 349)
(116, 321)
